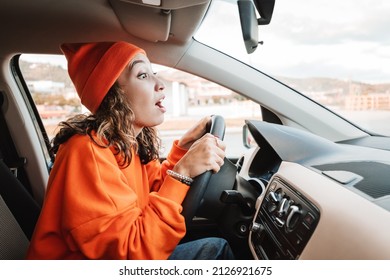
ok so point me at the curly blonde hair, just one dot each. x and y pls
(113, 125)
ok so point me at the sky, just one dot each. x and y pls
(345, 39)
(340, 38)
(52, 59)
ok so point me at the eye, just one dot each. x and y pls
(142, 76)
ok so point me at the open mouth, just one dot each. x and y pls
(160, 105)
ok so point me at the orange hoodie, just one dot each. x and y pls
(95, 210)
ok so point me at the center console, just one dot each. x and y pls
(283, 223)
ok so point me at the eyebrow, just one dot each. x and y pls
(135, 62)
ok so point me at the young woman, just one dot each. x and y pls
(108, 195)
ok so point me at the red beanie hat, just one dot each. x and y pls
(94, 68)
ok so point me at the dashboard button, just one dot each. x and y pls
(309, 219)
(303, 230)
(295, 240)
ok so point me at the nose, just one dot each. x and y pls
(160, 86)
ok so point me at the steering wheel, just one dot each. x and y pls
(199, 186)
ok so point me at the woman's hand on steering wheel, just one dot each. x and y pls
(209, 151)
(195, 133)
(205, 154)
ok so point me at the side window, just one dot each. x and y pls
(188, 99)
(51, 89)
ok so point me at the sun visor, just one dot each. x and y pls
(150, 19)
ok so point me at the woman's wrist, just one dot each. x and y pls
(180, 177)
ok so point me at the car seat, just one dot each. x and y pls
(18, 215)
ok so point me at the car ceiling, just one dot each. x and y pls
(40, 26)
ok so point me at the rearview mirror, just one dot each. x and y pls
(249, 21)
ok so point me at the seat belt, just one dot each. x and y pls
(9, 154)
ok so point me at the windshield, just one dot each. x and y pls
(335, 52)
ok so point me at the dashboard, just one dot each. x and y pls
(321, 200)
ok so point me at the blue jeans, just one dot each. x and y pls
(211, 248)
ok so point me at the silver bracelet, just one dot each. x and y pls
(181, 178)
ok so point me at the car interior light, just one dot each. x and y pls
(152, 2)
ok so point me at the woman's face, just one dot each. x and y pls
(144, 92)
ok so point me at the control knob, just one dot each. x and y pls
(294, 214)
(257, 227)
(274, 199)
